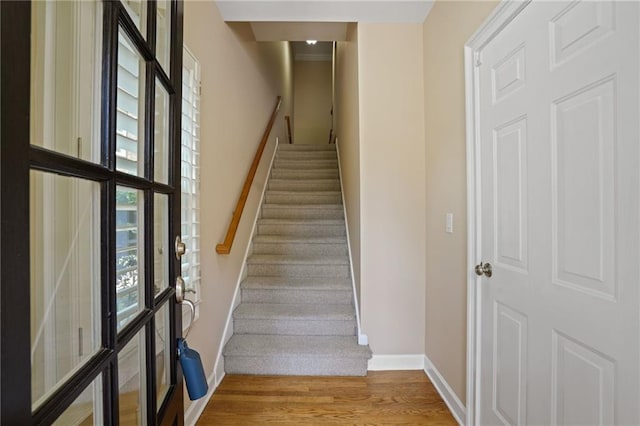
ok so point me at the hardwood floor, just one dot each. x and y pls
(382, 397)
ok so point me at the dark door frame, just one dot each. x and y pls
(18, 158)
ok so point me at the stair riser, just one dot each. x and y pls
(309, 185)
(294, 328)
(289, 270)
(300, 213)
(301, 230)
(304, 174)
(306, 155)
(298, 366)
(334, 297)
(305, 164)
(293, 198)
(301, 249)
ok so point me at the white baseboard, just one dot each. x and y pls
(193, 413)
(448, 395)
(396, 362)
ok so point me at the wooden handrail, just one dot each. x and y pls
(225, 247)
(288, 120)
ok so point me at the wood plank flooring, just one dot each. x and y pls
(382, 397)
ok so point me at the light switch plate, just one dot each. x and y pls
(449, 224)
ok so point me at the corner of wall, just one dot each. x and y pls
(446, 185)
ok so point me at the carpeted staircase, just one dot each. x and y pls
(297, 315)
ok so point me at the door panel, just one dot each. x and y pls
(509, 365)
(583, 183)
(558, 114)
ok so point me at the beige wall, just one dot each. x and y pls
(348, 135)
(392, 186)
(240, 81)
(446, 29)
(312, 95)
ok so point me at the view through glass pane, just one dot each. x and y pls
(162, 249)
(161, 135)
(86, 409)
(130, 108)
(163, 349)
(65, 278)
(66, 69)
(163, 34)
(129, 254)
(131, 380)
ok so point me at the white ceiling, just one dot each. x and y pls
(376, 11)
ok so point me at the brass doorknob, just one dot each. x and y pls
(484, 269)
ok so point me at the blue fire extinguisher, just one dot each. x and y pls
(191, 364)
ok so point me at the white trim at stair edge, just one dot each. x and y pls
(362, 338)
(396, 362)
(196, 408)
(450, 398)
(218, 368)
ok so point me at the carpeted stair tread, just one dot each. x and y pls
(292, 193)
(296, 164)
(302, 227)
(303, 197)
(291, 346)
(297, 211)
(303, 206)
(318, 154)
(281, 239)
(294, 312)
(311, 185)
(314, 222)
(297, 283)
(306, 147)
(302, 174)
(297, 260)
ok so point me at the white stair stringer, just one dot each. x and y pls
(297, 312)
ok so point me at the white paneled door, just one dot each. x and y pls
(557, 124)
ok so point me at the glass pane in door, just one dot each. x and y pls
(162, 248)
(66, 55)
(163, 349)
(129, 254)
(130, 108)
(131, 382)
(65, 278)
(163, 34)
(86, 409)
(137, 10)
(161, 135)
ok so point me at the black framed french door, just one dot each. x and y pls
(90, 212)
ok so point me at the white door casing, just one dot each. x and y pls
(552, 94)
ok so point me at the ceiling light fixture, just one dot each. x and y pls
(312, 42)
